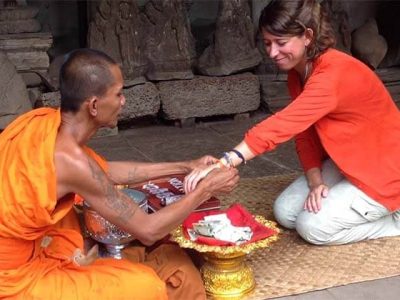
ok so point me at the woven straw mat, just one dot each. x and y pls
(291, 266)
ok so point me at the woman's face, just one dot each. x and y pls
(287, 52)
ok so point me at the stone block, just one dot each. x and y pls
(38, 41)
(141, 100)
(274, 91)
(50, 99)
(14, 99)
(31, 79)
(27, 52)
(209, 96)
(29, 60)
(368, 45)
(102, 132)
(19, 26)
(233, 49)
(18, 13)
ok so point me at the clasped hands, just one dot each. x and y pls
(220, 179)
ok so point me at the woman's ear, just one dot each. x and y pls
(92, 105)
(309, 34)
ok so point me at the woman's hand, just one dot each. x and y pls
(314, 198)
(196, 175)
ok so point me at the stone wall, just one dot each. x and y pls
(155, 47)
(191, 59)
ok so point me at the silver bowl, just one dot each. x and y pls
(102, 231)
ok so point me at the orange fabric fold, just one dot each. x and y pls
(39, 234)
(174, 267)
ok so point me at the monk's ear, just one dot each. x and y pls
(92, 106)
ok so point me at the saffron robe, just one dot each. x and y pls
(38, 234)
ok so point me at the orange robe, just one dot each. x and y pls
(39, 234)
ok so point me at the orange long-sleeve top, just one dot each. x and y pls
(343, 112)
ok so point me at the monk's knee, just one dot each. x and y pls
(186, 283)
(151, 287)
(183, 279)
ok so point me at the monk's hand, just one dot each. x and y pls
(315, 196)
(203, 161)
(190, 182)
(221, 180)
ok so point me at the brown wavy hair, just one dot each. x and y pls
(288, 17)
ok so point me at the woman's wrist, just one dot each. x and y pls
(314, 177)
(239, 155)
(232, 158)
(313, 185)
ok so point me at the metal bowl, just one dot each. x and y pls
(101, 230)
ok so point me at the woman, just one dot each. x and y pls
(346, 128)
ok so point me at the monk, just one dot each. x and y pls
(44, 164)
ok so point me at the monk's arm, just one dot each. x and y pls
(94, 186)
(125, 172)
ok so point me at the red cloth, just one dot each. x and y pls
(238, 215)
(345, 111)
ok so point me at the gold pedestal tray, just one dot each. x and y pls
(225, 273)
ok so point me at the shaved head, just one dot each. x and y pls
(84, 74)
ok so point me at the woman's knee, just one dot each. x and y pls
(311, 228)
(287, 207)
(284, 216)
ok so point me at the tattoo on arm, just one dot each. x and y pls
(117, 201)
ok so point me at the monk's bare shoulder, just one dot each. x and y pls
(70, 162)
(80, 174)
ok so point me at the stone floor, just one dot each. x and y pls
(161, 142)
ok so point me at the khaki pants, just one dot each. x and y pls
(347, 215)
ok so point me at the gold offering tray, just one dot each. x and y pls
(225, 273)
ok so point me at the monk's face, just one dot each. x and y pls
(110, 104)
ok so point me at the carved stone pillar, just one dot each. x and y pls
(234, 47)
(14, 98)
(21, 40)
(340, 22)
(169, 41)
(116, 29)
(18, 19)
